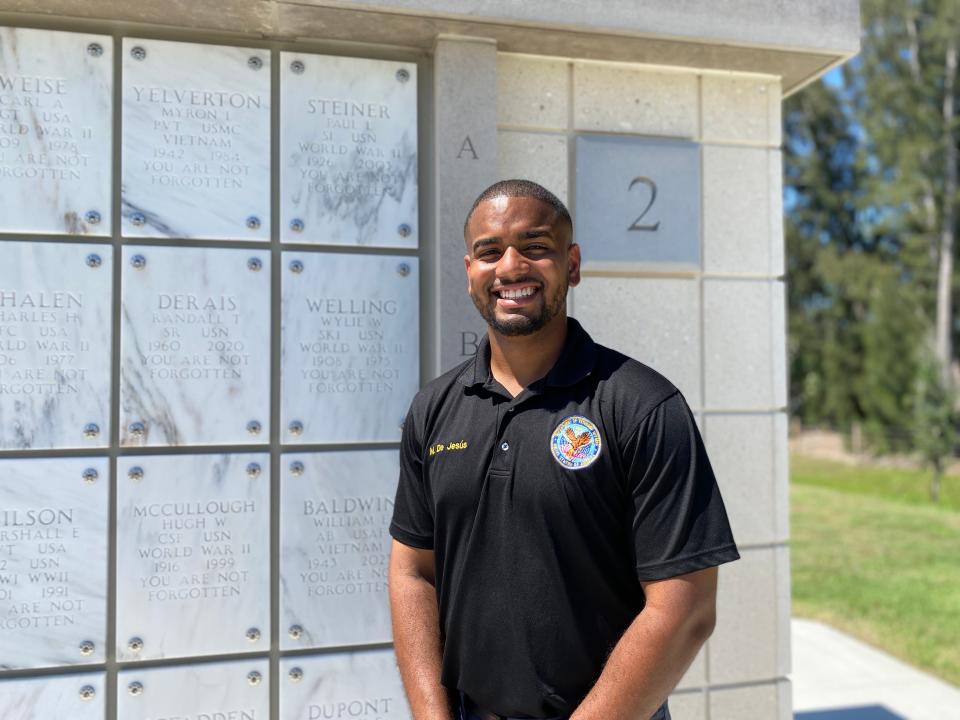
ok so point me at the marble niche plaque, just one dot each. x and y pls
(77, 697)
(195, 346)
(53, 562)
(56, 120)
(196, 141)
(362, 686)
(235, 690)
(638, 203)
(55, 320)
(348, 149)
(335, 512)
(193, 555)
(350, 334)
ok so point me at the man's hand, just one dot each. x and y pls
(416, 630)
(658, 647)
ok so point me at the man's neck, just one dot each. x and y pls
(516, 361)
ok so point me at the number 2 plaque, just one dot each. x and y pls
(638, 203)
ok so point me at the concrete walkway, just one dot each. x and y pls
(838, 678)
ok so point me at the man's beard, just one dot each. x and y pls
(518, 325)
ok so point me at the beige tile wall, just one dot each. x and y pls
(719, 334)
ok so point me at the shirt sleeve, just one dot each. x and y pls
(679, 521)
(412, 522)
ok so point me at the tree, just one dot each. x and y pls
(871, 198)
(934, 421)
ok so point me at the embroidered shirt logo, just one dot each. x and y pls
(575, 443)
(440, 447)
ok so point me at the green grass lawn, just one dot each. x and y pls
(872, 557)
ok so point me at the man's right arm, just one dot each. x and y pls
(416, 630)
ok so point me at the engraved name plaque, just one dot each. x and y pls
(638, 203)
(350, 361)
(334, 514)
(235, 690)
(196, 141)
(53, 562)
(362, 685)
(77, 697)
(56, 119)
(195, 346)
(55, 323)
(193, 555)
(348, 148)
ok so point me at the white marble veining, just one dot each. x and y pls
(193, 555)
(196, 141)
(195, 346)
(73, 697)
(637, 203)
(335, 510)
(362, 685)
(56, 96)
(53, 561)
(55, 320)
(350, 346)
(235, 690)
(348, 151)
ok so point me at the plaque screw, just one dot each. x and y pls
(94, 50)
(253, 427)
(135, 688)
(253, 634)
(93, 260)
(403, 269)
(296, 674)
(254, 677)
(91, 430)
(87, 692)
(403, 75)
(138, 53)
(404, 230)
(296, 266)
(92, 217)
(296, 225)
(254, 264)
(135, 644)
(138, 219)
(135, 473)
(90, 475)
(296, 427)
(297, 67)
(138, 261)
(296, 468)
(253, 222)
(137, 429)
(295, 631)
(86, 648)
(253, 470)
(254, 63)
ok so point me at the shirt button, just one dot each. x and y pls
(505, 446)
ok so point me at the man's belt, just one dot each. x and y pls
(475, 711)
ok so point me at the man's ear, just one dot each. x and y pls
(573, 265)
(466, 267)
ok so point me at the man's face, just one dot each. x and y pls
(520, 263)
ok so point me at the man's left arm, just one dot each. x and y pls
(656, 649)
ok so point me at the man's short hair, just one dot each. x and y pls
(521, 188)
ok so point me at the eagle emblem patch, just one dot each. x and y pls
(575, 443)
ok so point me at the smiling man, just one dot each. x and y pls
(557, 524)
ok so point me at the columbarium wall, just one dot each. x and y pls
(230, 252)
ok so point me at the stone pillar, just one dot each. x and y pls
(465, 141)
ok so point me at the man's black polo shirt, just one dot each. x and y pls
(545, 510)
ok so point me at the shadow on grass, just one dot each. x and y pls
(866, 712)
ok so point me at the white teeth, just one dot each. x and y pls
(514, 294)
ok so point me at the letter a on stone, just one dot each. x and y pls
(467, 146)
